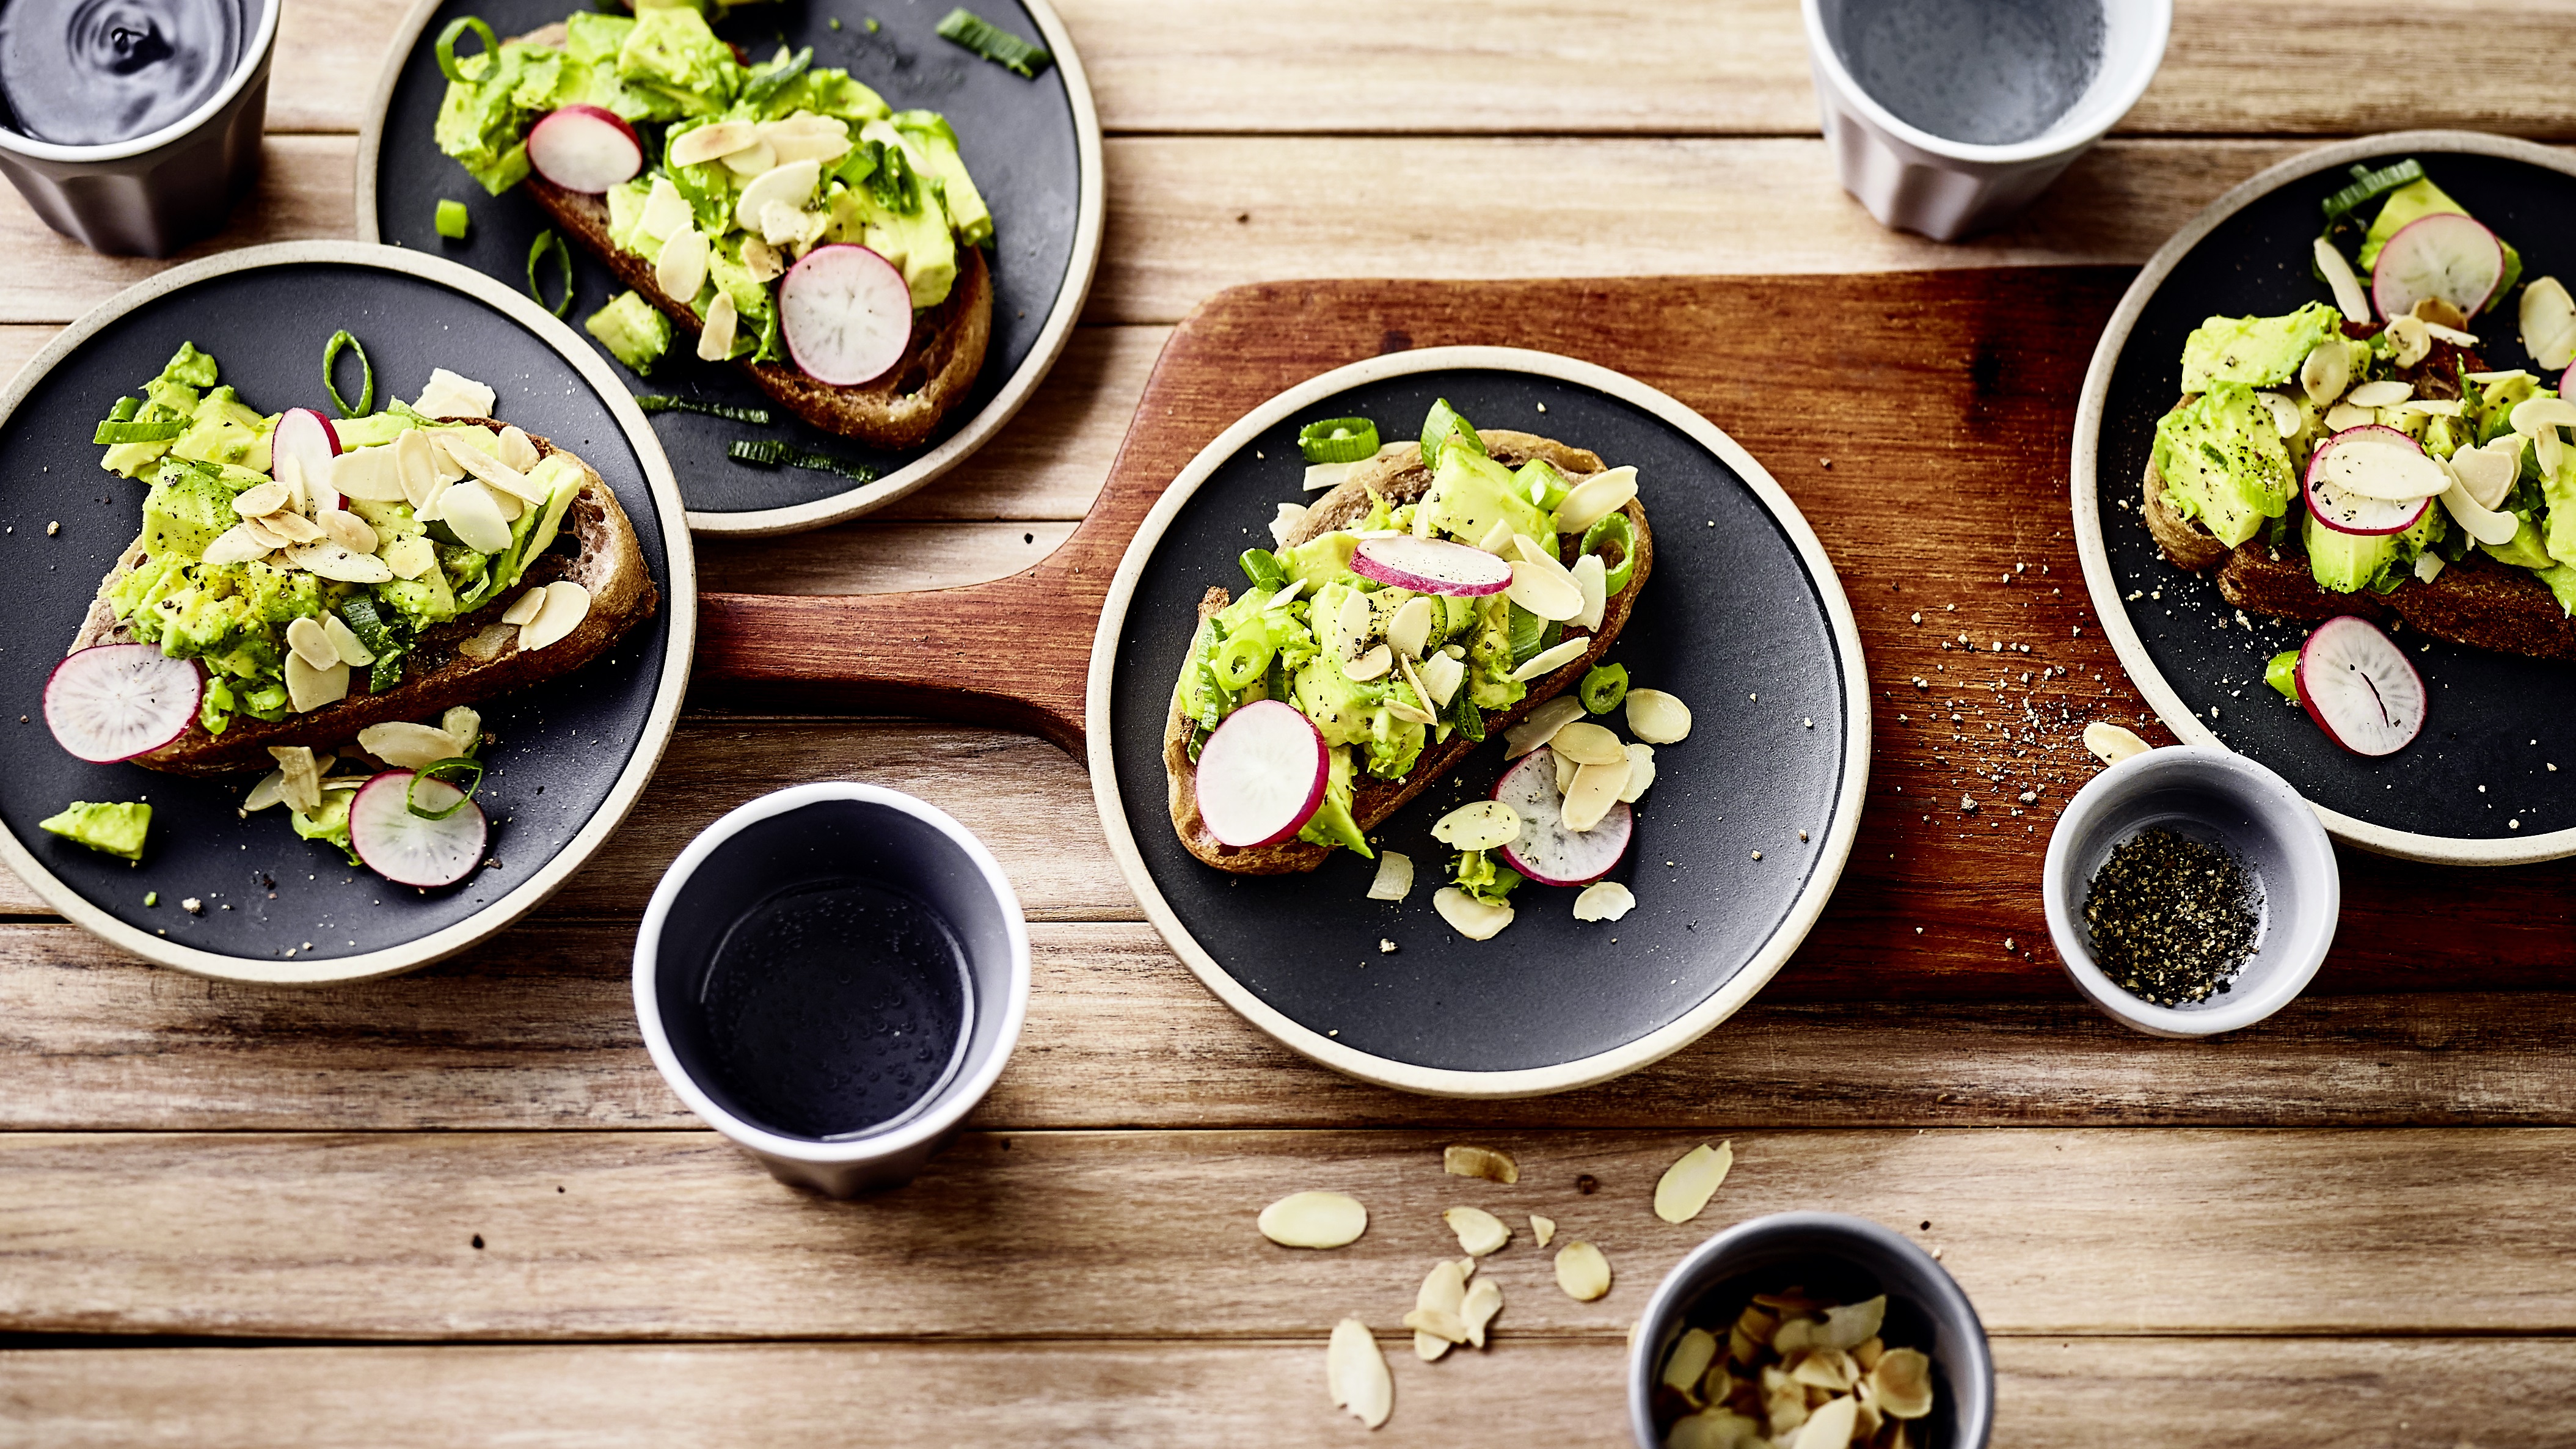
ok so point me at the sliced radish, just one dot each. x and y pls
(846, 314)
(308, 438)
(2341, 459)
(1261, 775)
(2444, 255)
(1546, 851)
(1431, 566)
(584, 149)
(410, 849)
(112, 702)
(2358, 687)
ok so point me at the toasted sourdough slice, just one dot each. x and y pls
(898, 410)
(607, 560)
(1398, 475)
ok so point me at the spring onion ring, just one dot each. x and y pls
(448, 65)
(461, 771)
(1603, 687)
(771, 453)
(452, 219)
(2368, 185)
(1614, 531)
(1441, 425)
(1338, 440)
(1022, 58)
(112, 432)
(367, 383)
(757, 417)
(548, 241)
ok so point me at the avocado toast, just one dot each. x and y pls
(1484, 664)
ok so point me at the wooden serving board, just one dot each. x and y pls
(1921, 422)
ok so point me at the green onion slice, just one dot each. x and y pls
(1526, 631)
(367, 385)
(448, 65)
(1261, 566)
(111, 433)
(1242, 659)
(772, 453)
(1338, 440)
(457, 770)
(1440, 426)
(1603, 687)
(125, 409)
(767, 82)
(757, 417)
(451, 220)
(1613, 533)
(2368, 185)
(546, 242)
(964, 27)
(1463, 714)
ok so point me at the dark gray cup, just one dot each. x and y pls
(832, 832)
(1843, 1258)
(153, 195)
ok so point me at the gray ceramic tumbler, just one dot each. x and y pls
(155, 194)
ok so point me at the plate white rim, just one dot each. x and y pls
(2083, 486)
(1833, 847)
(979, 429)
(679, 608)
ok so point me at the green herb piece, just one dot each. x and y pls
(464, 773)
(125, 409)
(2368, 185)
(448, 65)
(359, 612)
(2282, 673)
(757, 417)
(1337, 440)
(965, 27)
(767, 81)
(873, 28)
(1613, 534)
(1462, 712)
(151, 898)
(451, 220)
(1603, 687)
(834, 22)
(546, 242)
(1262, 567)
(772, 453)
(367, 384)
(112, 433)
(1527, 632)
(1440, 426)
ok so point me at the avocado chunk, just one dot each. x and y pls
(1471, 493)
(185, 511)
(2348, 563)
(1332, 824)
(2558, 491)
(2223, 462)
(936, 141)
(2281, 672)
(633, 330)
(2256, 351)
(671, 51)
(110, 828)
(2524, 550)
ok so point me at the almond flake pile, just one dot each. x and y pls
(1793, 1371)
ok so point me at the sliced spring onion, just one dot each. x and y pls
(451, 220)
(2368, 185)
(546, 242)
(1262, 567)
(1527, 633)
(1241, 660)
(457, 770)
(112, 432)
(766, 81)
(1613, 532)
(358, 611)
(1443, 424)
(1462, 713)
(448, 65)
(1603, 687)
(367, 383)
(757, 417)
(964, 27)
(1337, 440)
(772, 453)
(125, 409)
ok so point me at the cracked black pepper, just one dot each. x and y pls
(2171, 918)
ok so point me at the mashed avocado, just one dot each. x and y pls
(111, 829)
(632, 329)
(2255, 351)
(2223, 462)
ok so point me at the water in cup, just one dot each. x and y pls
(95, 72)
(1984, 72)
(834, 1008)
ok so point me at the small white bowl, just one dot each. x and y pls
(2223, 799)
(1913, 180)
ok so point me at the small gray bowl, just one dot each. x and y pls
(1836, 1256)
(2223, 799)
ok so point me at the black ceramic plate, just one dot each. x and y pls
(2476, 787)
(1742, 618)
(572, 755)
(1034, 147)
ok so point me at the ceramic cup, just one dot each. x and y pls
(1846, 1259)
(1915, 180)
(2220, 798)
(836, 831)
(154, 194)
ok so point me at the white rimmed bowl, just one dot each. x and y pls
(835, 830)
(2221, 799)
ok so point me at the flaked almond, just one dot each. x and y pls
(308, 688)
(415, 466)
(1439, 1323)
(1641, 772)
(1658, 718)
(2287, 420)
(1355, 1373)
(473, 513)
(515, 448)
(1829, 1369)
(1497, 540)
(762, 260)
(523, 609)
(407, 746)
(239, 544)
(1545, 589)
(306, 638)
(1286, 521)
(1548, 661)
(1588, 744)
(1409, 713)
(1543, 1229)
(1479, 1232)
(1444, 1291)
(2408, 340)
(368, 474)
(260, 500)
(1469, 917)
(1484, 1300)
(566, 605)
(2347, 415)
(409, 556)
(1582, 1271)
(709, 143)
(487, 643)
(2112, 743)
(1853, 1324)
(1689, 1183)
(2534, 416)
(1564, 768)
(2549, 323)
(2386, 393)
(1541, 726)
(2327, 369)
(1595, 498)
(325, 559)
(499, 474)
(1604, 900)
(1596, 788)
(257, 530)
(1593, 578)
(1480, 825)
(1830, 1426)
(1314, 1220)
(751, 160)
(682, 268)
(2350, 299)
(293, 527)
(1901, 1384)
(715, 337)
(299, 781)
(1410, 629)
(348, 530)
(1491, 1164)
(1688, 1362)
(1394, 876)
(1372, 663)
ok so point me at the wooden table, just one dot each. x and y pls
(460, 1207)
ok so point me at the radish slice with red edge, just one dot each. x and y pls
(411, 849)
(2343, 510)
(1431, 566)
(846, 314)
(1546, 851)
(111, 702)
(308, 438)
(585, 149)
(1261, 775)
(2444, 255)
(2356, 684)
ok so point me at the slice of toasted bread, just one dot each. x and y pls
(1398, 475)
(606, 559)
(898, 410)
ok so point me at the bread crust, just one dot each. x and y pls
(1397, 474)
(609, 562)
(899, 410)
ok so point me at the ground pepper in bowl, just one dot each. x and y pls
(2172, 918)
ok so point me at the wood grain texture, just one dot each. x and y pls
(2109, 1393)
(680, 1235)
(872, 557)
(537, 1031)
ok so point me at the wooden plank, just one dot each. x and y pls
(537, 1031)
(876, 558)
(1048, 463)
(334, 50)
(612, 1235)
(2197, 1393)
